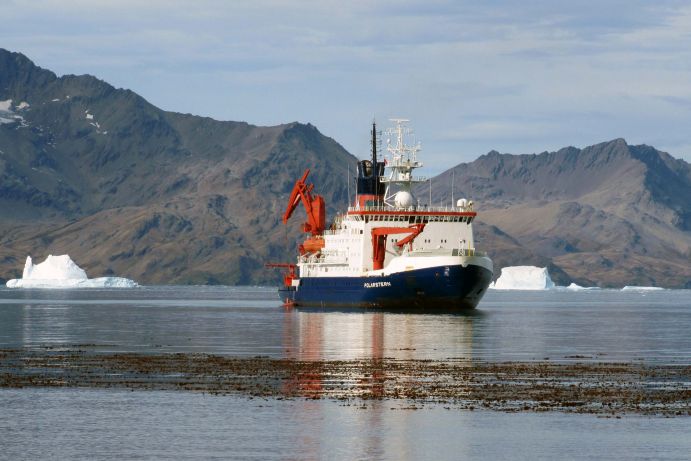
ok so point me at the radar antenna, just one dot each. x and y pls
(403, 160)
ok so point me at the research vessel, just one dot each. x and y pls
(387, 250)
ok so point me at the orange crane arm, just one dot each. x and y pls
(295, 196)
(314, 206)
(416, 230)
(379, 235)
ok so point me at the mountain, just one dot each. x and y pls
(611, 214)
(126, 188)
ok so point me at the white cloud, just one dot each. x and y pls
(473, 75)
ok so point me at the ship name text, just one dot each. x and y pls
(377, 284)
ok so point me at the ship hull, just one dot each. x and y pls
(443, 288)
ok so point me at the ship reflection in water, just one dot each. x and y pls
(326, 335)
(365, 338)
(368, 337)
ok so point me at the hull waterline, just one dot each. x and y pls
(444, 288)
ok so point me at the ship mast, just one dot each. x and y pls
(374, 156)
(403, 162)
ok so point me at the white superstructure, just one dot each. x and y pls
(380, 220)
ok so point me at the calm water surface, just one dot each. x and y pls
(100, 424)
(600, 325)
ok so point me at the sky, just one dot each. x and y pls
(472, 76)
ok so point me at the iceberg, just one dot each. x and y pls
(62, 272)
(523, 278)
(575, 287)
(531, 278)
(637, 288)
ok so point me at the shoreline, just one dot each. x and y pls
(593, 388)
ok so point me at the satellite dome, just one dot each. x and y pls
(404, 199)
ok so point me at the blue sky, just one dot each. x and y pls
(515, 76)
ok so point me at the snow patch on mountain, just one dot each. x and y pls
(94, 123)
(7, 115)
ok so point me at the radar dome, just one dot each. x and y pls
(462, 203)
(404, 199)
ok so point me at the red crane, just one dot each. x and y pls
(379, 235)
(314, 206)
(316, 214)
(315, 224)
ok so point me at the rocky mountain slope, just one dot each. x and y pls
(126, 188)
(610, 214)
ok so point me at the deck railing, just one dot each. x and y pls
(418, 208)
(386, 179)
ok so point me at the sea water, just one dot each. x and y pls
(591, 326)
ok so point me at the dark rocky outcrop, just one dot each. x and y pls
(160, 197)
(611, 214)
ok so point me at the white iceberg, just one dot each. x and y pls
(523, 278)
(575, 287)
(636, 288)
(62, 272)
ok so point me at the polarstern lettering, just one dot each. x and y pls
(377, 284)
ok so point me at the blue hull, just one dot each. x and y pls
(445, 288)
